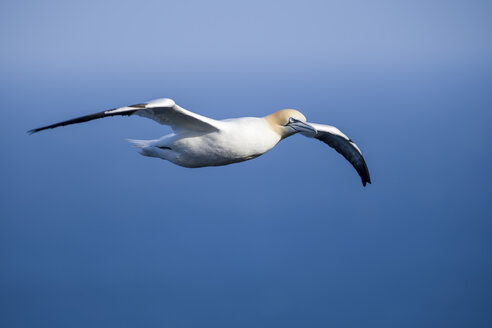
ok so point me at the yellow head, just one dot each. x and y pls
(287, 122)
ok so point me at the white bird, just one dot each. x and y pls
(200, 141)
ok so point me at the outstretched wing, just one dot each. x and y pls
(343, 145)
(164, 111)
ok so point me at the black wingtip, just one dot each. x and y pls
(31, 132)
(87, 118)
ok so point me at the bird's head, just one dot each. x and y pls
(287, 122)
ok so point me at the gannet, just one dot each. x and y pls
(200, 141)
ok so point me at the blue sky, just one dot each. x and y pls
(93, 234)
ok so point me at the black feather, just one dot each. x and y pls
(86, 118)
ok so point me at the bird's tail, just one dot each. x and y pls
(143, 146)
(139, 143)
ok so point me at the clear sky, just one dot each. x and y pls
(94, 235)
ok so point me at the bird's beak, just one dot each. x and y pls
(302, 127)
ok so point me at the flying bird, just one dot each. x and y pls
(200, 141)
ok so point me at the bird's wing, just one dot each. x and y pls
(163, 111)
(343, 145)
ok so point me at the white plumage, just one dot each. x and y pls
(200, 141)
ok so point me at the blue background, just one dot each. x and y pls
(93, 234)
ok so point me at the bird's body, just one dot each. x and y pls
(236, 140)
(200, 141)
